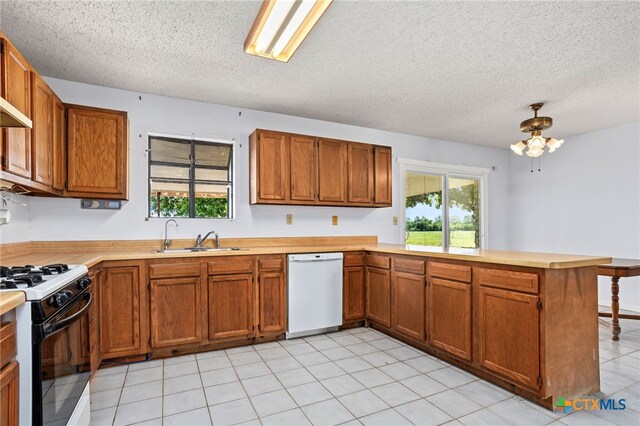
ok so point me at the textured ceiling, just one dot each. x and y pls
(462, 71)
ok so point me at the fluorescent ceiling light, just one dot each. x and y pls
(281, 25)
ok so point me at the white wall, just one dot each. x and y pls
(17, 230)
(62, 219)
(585, 200)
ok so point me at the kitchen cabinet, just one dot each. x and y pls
(272, 295)
(295, 169)
(509, 335)
(378, 287)
(97, 152)
(450, 317)
(269, 161)
(332, 171)
(231, 306)
(303, 165)
(359, 173)
(123, 310)
(353, 288)
(409, 298)
(59, 154)
(9, 402)
(382, 176)
(16, 89)
(42, 104)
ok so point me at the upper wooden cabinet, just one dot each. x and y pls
(16, 89)
(306, 170)
(59, 154)
(303, 165)
(98, 144)
(42, 108)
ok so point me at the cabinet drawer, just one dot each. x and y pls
(512, 280)
(412, 266)
(231, 265)
(450, 271)
(174, 270)
(7, 342)
(275, 263)
(354, 259)
(378, 261)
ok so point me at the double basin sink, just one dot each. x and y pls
(199, 249)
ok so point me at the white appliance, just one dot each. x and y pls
(314, 293)
(57, 298)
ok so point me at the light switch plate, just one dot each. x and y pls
(395, 220)
(334, 220)
(289, 219)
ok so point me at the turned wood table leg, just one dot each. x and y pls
(615, 307)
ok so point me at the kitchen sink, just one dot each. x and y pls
(199, 249)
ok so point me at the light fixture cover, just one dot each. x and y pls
(536, 143)
(281, 25)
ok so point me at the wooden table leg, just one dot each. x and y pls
(615, 307)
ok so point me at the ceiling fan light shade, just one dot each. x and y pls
(536, 142)
(518, 147)
(282, 25)
(553, 143)
(535, 152)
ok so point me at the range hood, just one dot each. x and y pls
(11, 117)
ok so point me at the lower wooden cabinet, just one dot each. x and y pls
(272, 302)
(509, 335)
(9, 404)
(123, 310)
(353, 294)
(378, 296)
(450, 317)
(231, 306)
(409, 298)
(177, 305)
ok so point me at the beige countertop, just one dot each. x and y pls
(10, 300)
(501, 257)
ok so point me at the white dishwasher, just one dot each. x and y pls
(314, 293)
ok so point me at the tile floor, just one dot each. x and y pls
(350, 377)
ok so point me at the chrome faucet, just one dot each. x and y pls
(200, 240)
(166, 243)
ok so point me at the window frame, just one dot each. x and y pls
(192, 166)
(446, 171)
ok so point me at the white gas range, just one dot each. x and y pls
(52, 342)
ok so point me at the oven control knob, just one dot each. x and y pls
(84, 283)
(60, 299)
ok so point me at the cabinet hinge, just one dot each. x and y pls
(539, 381)
(539, 305)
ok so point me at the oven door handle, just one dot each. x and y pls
(56, 326)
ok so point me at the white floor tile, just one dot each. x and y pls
(372, 378)
(272, 403)
(312, 358)
(516, 412)
(379, 359)
(403, 353)
(143, 365)
(326, 370)
(335, 354)
(217, 377)
(327, 413)
(399, 371)
(103, 383)
(361, 348)
(298, 376)
(363, 403)
(107, 371)
(179, 359)
(342, 385)
(143, 376)
(453, 403)
(181, 384)
(395, 394)
(293, 417)
(283, 364)
(451, 377)
(425, 364)
(213, 363)
(138, 411)
(388, 417)
(273, 353)
(141, 392)
(262, 384)
(184, 401)
(105, 399)
(181, 369)
(483, 393)
(309, 393)
(199, 417)
(231, 413)
(484, 417)
(299, 348)
(249, 371)
(422, 412)
(224, 393)
(103, 417)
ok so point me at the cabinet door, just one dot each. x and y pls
(302, 160)
(353, 293)
(272, 302)
(9, 403)
(97, 153)
(16, 89)
(332, 170)
(230, 306)
(382, 175)
(120, 311)
(450, 317)
(379, 296)
(409, 298)
(176, 311)
(59, 145)
(42, 131)
(360, 173)
(509, 327)
(272, 166)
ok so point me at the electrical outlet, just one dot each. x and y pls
(289, 219)
(334, 220)
(395, 220)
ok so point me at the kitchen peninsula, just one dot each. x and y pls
(500, 315)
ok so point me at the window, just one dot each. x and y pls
(444, 204)
(190, 178)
